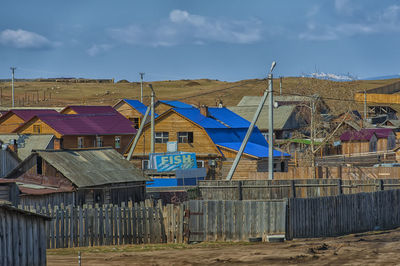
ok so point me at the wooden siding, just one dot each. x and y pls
(174, 123)
(10, 123)
(128, 111)
(161, 108)
(71, 142)
(375, 98)
(352, 147)
(45, 128)
(22, 238)
(7, 162)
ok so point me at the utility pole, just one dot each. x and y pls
(271, 126)
(280, 85)
(141, 86)
(152, 119)
(365, 106)
(12, 85)
(312, 132)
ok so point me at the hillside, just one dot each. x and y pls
(202, 91)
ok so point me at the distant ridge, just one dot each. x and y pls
(383, 77)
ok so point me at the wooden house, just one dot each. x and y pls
(162, 106)
(368, 140)
(23, 236)
(133, 110)
(81, 176)
(16, 117)
(214, 134)
(287, 119)
(83, 130)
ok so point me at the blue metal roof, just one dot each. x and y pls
(194, 115)
(228, 117)
(252, 149)
(177, 104)
(140, 107)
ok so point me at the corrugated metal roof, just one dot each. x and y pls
(281, 115)
(93, 167)
(89, 124)
(177, 104)
(194, 115)
(27, 114)
(137, 105)
(229, 118)
(27, 143)
(255, 100)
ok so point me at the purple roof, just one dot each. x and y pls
(27, 114)
(91, 109)
(366, 134)
(89, 124)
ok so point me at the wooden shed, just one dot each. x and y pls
(22, 237)
(82, 176)
(8, 159)
(368, 140)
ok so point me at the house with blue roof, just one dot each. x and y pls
(134, 110)
(215, 135)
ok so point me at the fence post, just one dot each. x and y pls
(340, 190)
(239, 189)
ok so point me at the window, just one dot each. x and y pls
(200, 164)
(117, 142)
(136, 121)
(145, 164)
(185, 137)
(37, 129)
(99, 141)
(80, 142)
(161, 137)
(39, 169)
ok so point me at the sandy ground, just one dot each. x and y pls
(374, 248)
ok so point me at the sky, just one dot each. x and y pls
(227, 40)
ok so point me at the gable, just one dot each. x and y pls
(28, 128)
(9, 122)
(68, 111)
(161, 107)
(173, 123)
(127, 110)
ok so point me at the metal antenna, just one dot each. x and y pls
(141, 86)
(12, 84)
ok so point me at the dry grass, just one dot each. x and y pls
(202, 91)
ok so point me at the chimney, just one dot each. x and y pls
(204, 110)
(13, 145)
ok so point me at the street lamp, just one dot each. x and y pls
(271, 124)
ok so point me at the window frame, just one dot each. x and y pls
(185, 135)
(143, 164)
(99, 140)
(37, 129)
(117, 139)
(81, 142)
(163, 138)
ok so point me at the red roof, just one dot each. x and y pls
(91, 109)
(27, 114)
(366, 134)
(89, 124)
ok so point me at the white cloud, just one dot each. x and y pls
(385, 20)
(182, 27)
(95, 49)
(25, 39)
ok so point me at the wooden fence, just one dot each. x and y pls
(298, 188)
(112, 225)
(235, 220)
(343, 214)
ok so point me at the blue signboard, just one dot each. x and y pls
(171, 162)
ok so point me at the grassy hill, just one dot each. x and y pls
(202, 91)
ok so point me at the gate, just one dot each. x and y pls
(235, 220)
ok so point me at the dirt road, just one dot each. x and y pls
(375, 248)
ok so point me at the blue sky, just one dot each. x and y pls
(217, 39)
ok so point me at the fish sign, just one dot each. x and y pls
(165, 163)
